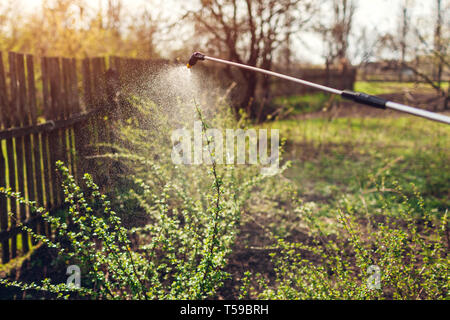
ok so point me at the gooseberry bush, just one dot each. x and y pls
(174, 226)
(399, 253)
(165, 231)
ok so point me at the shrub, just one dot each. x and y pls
(409, 254)
(180, 222)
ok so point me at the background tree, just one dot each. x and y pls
(336, 34)
(77, 28)
(438, 43)
(420, 46)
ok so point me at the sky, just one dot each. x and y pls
(375, 15)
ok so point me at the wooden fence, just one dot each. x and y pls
(52, 109)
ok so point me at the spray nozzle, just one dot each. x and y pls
(194, 58)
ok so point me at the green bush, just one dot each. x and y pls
(181, 220)
(174, 228)
(409, 254)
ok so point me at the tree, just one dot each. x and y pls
(249, 32)
(336, 34)
(419, 47)
(438, 43)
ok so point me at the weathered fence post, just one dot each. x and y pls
(3, 178)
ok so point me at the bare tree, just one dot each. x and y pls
(249, 32)
(337, 33)
(431, 52)
(403, 33)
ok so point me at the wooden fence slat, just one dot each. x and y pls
(98, 101)
(117, 66)
(61, 145)
(22, 89)
(96, 82)
(65, 101)
(14, 102)
(45, 87)
(12, 185)
(67, 132)
(3, 177)
(75, 107)
(48, 179)
(3, 94)
(98, 72)
(31, 90)
(10, 143)
(40, 179)
(21, 154)
(72, 107)
(55, 87)
(76, 95)
(44, 140)
(31, 141)
(84, 132)
(3, 208)
(70, 87)
(39, 176)
(49, 156)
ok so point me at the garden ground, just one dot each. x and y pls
(338, 155)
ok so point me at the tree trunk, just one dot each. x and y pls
(247, 104)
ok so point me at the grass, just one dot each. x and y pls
(348, 156)
(300, 104)
(386, 87)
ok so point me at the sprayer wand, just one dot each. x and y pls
(358, 97)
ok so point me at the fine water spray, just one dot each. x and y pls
(358, 97)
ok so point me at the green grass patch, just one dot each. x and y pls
(387, 87)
